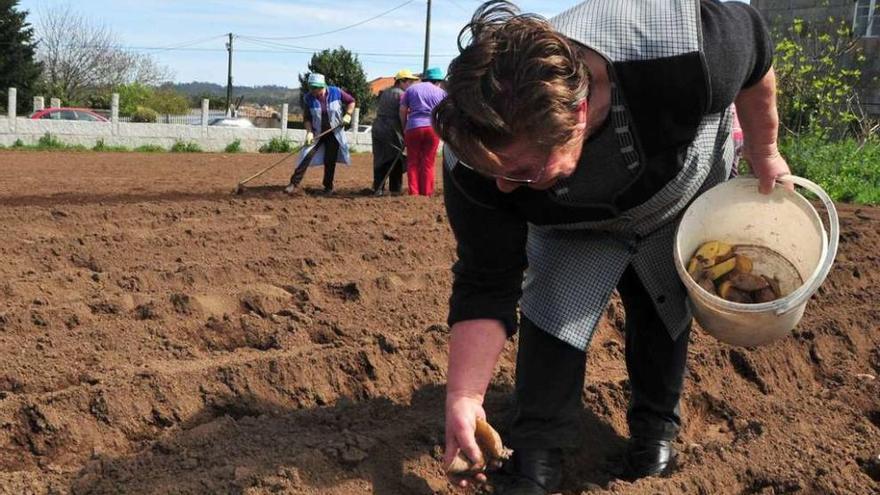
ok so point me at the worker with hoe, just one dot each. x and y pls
(324, 108)
(572, 147)
(389, 161)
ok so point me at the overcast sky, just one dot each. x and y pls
(189, 36)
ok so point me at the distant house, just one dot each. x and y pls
(863, 16)
(380, 83)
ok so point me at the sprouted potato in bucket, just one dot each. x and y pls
(726, 271)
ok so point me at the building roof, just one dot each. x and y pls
(381, 83)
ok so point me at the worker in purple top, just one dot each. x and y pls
(421, 141)
(324, 108)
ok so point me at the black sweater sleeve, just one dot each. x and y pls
(737, 47)
(487, 277)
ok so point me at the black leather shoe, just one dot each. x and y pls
(532, 472)
(648, 457)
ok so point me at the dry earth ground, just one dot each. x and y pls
(160, 335)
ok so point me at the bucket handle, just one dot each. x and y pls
(830, 241)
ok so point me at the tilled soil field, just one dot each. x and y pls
(161, 335)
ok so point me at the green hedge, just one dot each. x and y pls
(277, 145)
(185, 147)
(848, 170)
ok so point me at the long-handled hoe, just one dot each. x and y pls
(398, 160)
(239, 188)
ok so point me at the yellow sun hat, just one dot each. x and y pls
(404, 74)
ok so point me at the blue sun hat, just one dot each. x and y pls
(433, 74)
(317, 80)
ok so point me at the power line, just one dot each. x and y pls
(404, 4)
(185, 44)
(180, 46)
(269, 48)
(282, 48)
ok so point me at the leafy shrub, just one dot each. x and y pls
(277, 145)
(132, 97)
(233, 147)
(184, 147)
(100, 146)
(149, 148)
(48, 141)
(167, 101)
(848, 170)
(818, 68)
(144, 114)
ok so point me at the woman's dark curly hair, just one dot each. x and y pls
(515, 76)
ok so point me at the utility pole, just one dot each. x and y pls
(427, 38)
(229, 76)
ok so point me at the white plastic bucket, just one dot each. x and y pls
(735, 212)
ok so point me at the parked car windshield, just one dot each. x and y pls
(86, 116)
(69, 114)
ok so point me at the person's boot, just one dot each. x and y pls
(532, 472)
(648, 457)
(291, 190)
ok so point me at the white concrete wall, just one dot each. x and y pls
(132, 135)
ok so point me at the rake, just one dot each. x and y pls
(239, 188)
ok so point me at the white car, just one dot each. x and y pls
(231, 122)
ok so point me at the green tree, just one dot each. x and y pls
(80, 55)
(342, 69)
(18, 67)
(818, 67)
(133, 96)
(167, 101)
(215, 101)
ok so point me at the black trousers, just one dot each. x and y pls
(550, 377)
(331, 153)
(394, 170)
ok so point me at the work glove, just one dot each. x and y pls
(346, 119)
(310, 138)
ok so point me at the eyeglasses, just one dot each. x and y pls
(523, 178)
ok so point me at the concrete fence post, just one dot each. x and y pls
(55, 102)
(284, 116)
(114, 108)
(114, 114)
(355, 123)
(205, 107)
(10, 107)
(39, 103)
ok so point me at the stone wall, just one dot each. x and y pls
(782, 12)
(776, 11)
(133, 135)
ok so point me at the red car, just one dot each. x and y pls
(66, 113)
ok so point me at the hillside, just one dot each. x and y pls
(261, 95)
